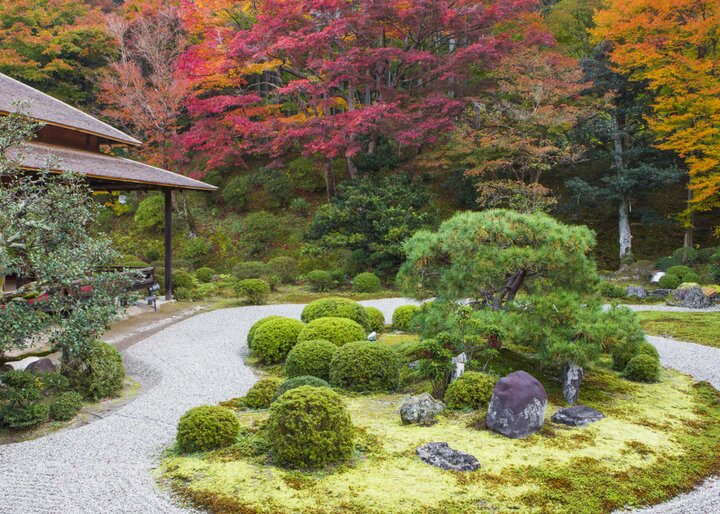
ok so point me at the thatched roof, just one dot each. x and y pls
(104, 171)
(52, 111)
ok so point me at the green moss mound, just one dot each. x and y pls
(403, 316)
(275, 338)
(256, 325)
(96, 372)
(205, 275)
(692, 278)
(336, 308)
(643, 368)
(66, 406)
(365, 366)
(338, 331)
(377, 319)
(261, 394)
(310, 358)
(309, 427)
(472, 390)
(366, 283)
(295, 382)
(207, 428)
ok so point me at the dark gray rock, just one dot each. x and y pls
(5, 367)
(577, 416)
(420, 410)
(517, 407)
(442, 456)
(414, 365)
(638, 291)
(572, 379)
(41, 366)
(690, 296)
(660, 293)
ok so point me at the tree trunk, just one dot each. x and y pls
(624, 230)
(688, 242)
(352, 169)
(192, 229)
(329, 180)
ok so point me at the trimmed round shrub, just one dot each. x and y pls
(182, 278)
(664, 263)
(365, 366)
(286, 268)
(679, 271)
(319, 280)
(256, 325)
(366, 283)
(20, 397)
(253, 290)
(66, 406)
(310, 427)
(249, 269)
(705, 255)
(338, 331)
(643, 368)
(275, 338)
(205, 275)
(310, 358)
(403, 315)
(207, 427)
(691, 278)
(668, 281)
(295, 382)
(685, 255)
(96, 372)
(336, 308)
(377, 319)
(472, 390)
(261, 394)
(648, 349)
(610, 290)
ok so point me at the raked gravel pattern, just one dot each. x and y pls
(104, 467)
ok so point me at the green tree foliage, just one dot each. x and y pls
(150, 214)
(372, 220)
(489, 256)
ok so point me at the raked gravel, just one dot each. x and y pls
(104, 467)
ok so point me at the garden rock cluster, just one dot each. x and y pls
(420, 410)
(517, 407)
(690, 296)
(442, 456)
(577, 416)
(638, 291)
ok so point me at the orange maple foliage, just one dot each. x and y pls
(674, 45)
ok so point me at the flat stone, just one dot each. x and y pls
(420, 410)
(442, 456)
(517, 407)
(638, 291)
(577, 416)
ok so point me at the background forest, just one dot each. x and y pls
(336, 129)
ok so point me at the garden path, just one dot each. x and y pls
(103, 467)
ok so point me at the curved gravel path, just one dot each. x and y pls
(103, 467)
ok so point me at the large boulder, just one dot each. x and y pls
(420, 410)
(41, 366)
(690, 295)
(442, 456)
(577, 416)
(517, 407)
(638, 291)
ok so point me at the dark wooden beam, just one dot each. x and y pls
(168, 244)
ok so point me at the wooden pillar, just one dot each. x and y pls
(168, 244)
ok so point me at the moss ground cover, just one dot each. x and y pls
(658, 440)
(695, 327)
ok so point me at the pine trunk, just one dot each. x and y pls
(329, 180)
(624, 231)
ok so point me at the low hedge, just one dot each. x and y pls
(365, 366)
(275, 338)
(338, 331)
(207, 427)
(336, 308)
(472, 390)
(310, 358)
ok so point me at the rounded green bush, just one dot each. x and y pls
(295, 382)
(310, 427)
(207, 427)
(182, 278)
(648, 349)
(366, 283)
(205, 275)
(275, 338)
(705, 255)
(643, 368)
(319, 280)
(336, 308)
(377, 319)
(256, 325)
(665, 263)
(284, 267)
(685, 255)
(261, 394)
(472, 390)
(249, 269)
(96, 372)
(691, 278)
(310, 358)
(679, 271)
(338, 331)
(403, 315)
(66, 406)
(150, 214)
(253, 290)
(610, 290)
(20, 397)
(669, 281)
(365, 366)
